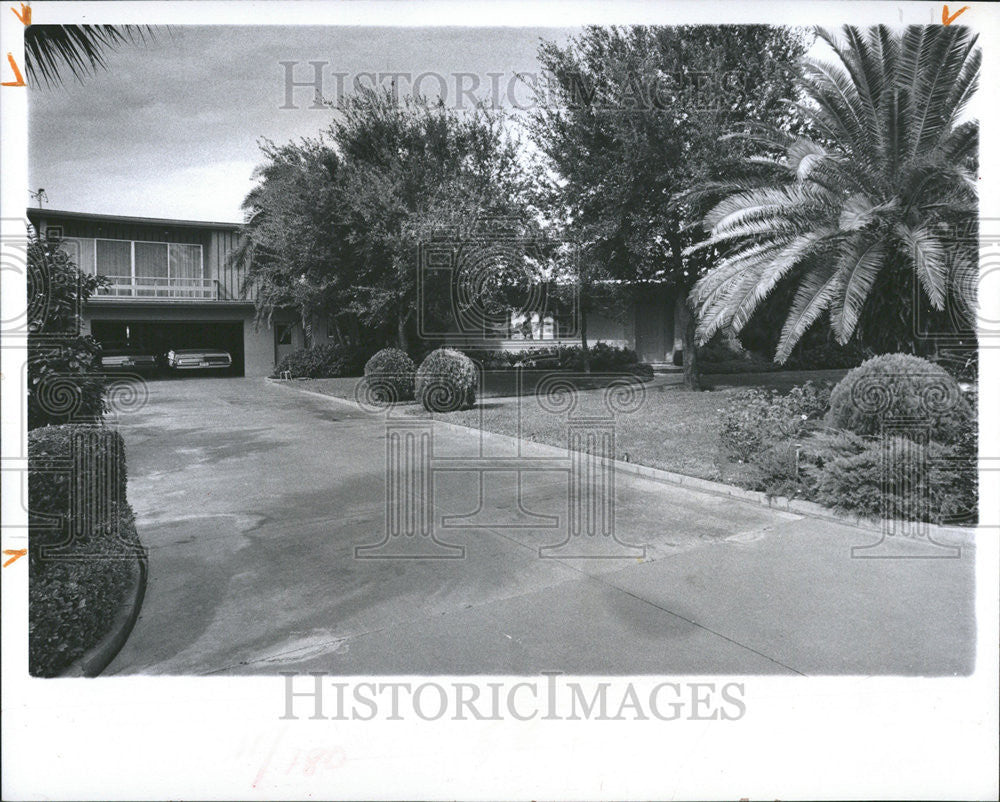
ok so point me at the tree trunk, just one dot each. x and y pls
(585, 352)
(691, 380)
(401, 339)
(306, 327)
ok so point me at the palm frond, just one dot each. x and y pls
(815, 294)
(50, 50)
(928, 255)
(859, 264)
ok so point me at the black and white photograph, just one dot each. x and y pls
(491, 379)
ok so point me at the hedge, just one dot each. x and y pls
(72, 603)
(76, 497)
(73, 464)
(327, 361)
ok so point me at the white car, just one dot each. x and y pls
(199, 359)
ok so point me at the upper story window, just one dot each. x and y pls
(130, 259)
(138, 268)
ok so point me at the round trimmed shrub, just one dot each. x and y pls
(446, 381)
(389, 374)
(895, 387)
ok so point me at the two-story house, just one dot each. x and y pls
(172, 285)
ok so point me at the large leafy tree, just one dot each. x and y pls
(630, 119)
(294, 241)
(415, 170)
(334, 224)
(872, 217)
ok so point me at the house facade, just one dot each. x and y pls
(173, 284)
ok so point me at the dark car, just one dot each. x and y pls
(127, 358)
(199, 359)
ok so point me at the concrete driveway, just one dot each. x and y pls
(254, 497)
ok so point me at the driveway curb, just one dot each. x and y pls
(755, 497)
(101, 655)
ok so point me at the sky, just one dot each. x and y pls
(171, 129)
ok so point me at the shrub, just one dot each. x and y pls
(446, 381)
(494, 360)
(76, 500)
(899, 386)
(327, 361)
(756, 419)
(954, 478)
(887, 477)
(64, 379)
(603, 358)
(72, 603)
(390, 375)
(94, 473)
(776, 470)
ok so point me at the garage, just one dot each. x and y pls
(161, 336)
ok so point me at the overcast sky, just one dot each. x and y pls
(171, 128)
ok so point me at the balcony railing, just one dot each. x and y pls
(167, 289)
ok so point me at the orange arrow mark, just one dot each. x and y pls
(25, 15)
(17, 73)
(17, 553)
(948, 20)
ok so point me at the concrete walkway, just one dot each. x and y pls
(253, 499)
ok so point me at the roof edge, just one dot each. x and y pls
(116, 218)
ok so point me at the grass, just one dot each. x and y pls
(672, 429)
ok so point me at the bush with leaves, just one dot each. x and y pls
(756, 419)
(72, 603)
(446, 381)
(64, 379)
(899, 387)
(389, 375)
(493, 359)
(326, 361)
(73, 596)
(51, 492)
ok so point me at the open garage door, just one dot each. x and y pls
(161, 336)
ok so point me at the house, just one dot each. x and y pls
(172, 285)
(647, 324)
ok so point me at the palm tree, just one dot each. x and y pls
(860, 215)
(51, 49)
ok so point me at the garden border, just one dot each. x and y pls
(756, 497)
(99, 656)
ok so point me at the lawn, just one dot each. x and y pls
(672, 429)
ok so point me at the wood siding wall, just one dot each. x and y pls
(217, 244)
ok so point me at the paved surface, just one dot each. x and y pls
(252, 499)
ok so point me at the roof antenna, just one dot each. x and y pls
(39, 196)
